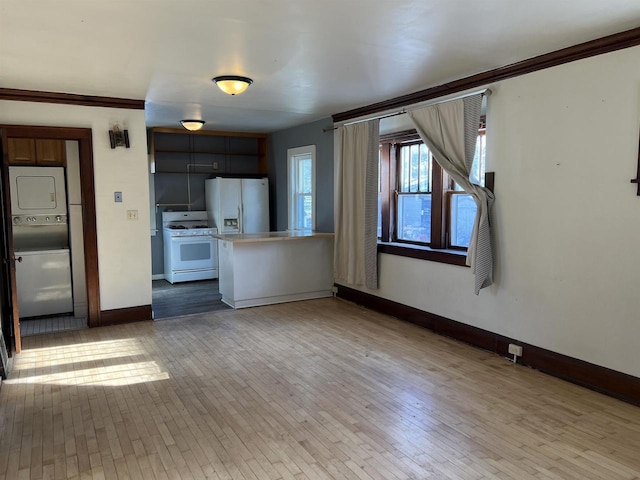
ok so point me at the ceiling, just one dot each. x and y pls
(309, 59)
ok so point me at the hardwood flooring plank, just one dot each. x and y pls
(321, 389)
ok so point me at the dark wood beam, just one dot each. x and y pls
(69, 99)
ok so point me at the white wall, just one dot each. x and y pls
(564, 144)
(124, 250)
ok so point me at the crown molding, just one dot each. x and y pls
(69, 99)
(611, 43)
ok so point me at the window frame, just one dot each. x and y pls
(442, 190)
(294, 155)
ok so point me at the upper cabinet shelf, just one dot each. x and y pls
(224, 152)
(208, 152)
(36, 151)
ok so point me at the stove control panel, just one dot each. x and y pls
(189, 232)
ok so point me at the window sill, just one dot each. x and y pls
(452, 257)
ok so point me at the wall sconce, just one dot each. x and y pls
(118, 138)
(232, 84)
(192, 125)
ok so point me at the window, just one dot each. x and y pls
(418, 203)
(414, 193)
(301, 192)
(462, 207)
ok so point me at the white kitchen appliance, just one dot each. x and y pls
(40, 240)
(190, 251)
(38, 208)
(43, 281)
(37, 190)
(238, 205)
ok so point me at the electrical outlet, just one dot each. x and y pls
(132, 214)
(215, 165)
(515, 349)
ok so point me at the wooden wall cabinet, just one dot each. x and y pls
(50, 152)
(21, 151)
(36, 151)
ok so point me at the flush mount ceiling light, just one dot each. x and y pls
(192, 125)
(232, 84)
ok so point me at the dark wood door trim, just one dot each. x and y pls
(6, 305)
(611, 43)
(84, 138)
(69, 99)
(9, 260)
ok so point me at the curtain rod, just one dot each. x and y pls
(485, 93)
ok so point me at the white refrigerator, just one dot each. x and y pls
(238, 205)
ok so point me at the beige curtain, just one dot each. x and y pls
(356, 204)
(450, 130)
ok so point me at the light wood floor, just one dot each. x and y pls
(308, 390)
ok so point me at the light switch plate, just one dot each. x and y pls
(132, 214)
(117, 197)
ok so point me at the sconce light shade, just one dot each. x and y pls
(192, 125)
(232, 84)
(118, 138)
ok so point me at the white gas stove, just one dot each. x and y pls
(190, 251)
(180, 224)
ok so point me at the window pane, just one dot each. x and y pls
(414, 217)
(379, 215)
(379, 171)
(415, 168)
(308, 204)
(379, 194)
(463, 213)
(405, 170)
(303, 211)
(478, 167)
(304, 175)
(425, 169)
(301, 186)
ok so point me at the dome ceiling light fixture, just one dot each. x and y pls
(232, 84)
(192, 125)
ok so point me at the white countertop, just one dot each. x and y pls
(270, 236)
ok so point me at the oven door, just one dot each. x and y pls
(196, 252)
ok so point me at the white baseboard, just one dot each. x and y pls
(157, 276)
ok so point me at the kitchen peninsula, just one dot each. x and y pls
(274, 267)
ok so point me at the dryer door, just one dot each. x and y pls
(37, 190)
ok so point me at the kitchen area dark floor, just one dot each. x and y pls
(169, 300)
(185, 298)
(55, 323)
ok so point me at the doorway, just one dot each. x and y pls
(83, 138)
(46, 209)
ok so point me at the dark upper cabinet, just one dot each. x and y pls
(207, 152)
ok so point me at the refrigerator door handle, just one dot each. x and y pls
(240, 220)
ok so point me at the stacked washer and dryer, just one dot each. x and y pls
(41, 240)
